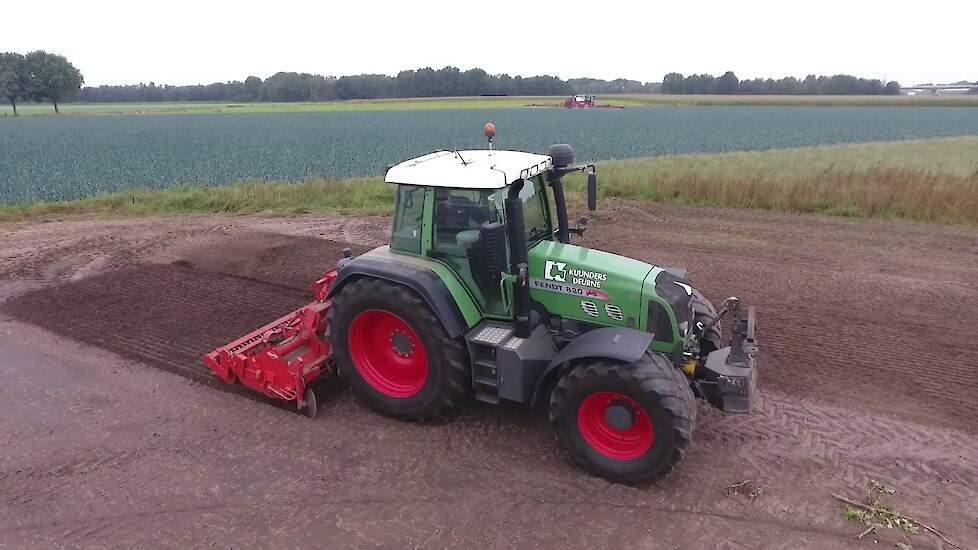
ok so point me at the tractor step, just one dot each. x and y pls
(487, 398)
(506, 366)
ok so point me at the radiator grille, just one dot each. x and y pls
(590, 308)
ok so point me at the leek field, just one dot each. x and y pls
(58, 158)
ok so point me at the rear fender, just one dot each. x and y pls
(425, 282)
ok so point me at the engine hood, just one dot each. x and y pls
(586, 284)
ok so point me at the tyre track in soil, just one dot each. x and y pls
(843, 317)
(544, 489)
(168, 315)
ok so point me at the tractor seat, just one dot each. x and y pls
(467, 238)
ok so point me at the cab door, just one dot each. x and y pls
(461, 223)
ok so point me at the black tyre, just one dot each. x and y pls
(704, 312)
(312, 404)
(395, 352)
(624, 422)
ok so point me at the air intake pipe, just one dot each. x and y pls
(562, 156)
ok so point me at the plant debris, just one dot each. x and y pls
(748, 488)
(875, 515)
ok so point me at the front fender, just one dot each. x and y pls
(623, 344)
(619, 343)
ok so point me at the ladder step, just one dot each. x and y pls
(491, 382)
(484, 363)
(487, 398)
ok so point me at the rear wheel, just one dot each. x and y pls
(394, 350)
(624, 422)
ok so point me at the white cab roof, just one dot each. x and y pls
(481, 169)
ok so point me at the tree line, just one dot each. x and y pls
(41, 76)
(38, 76)
(453, 82)
(426, 82)
(840, 84)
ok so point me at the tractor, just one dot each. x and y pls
(481, 293)
(579, 101)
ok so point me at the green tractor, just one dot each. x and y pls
(481, 292)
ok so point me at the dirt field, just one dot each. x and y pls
(113, 434)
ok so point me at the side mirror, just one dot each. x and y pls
(592, 190)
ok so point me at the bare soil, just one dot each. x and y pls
(115, 435)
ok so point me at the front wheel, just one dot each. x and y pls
(624, 422)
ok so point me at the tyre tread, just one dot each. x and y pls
(452, 350)
(653, 374)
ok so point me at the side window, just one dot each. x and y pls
(407, 219)
(534, 213)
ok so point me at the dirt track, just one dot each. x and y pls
(114, 434)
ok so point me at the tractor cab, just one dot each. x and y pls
(451, 206)
(498, 221)
(481, 292)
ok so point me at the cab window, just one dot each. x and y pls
(406, 234)
(535, 213)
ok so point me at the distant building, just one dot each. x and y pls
(959, 88)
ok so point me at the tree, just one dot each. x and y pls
(699, 84)
(728, 83)
(252, 88)
(286, 86)
(788, 85)
(672, 83)
(474, 82)
(52, 77)
(13, 78)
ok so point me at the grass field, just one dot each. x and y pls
(621, 100)
(927, 180)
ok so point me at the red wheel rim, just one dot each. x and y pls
(628, 439)
(388, 353)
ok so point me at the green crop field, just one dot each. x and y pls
(618, 100)
(68, 157)
(927, 180)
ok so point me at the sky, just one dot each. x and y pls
(181, 42)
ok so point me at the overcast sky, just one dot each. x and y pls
(181, 42)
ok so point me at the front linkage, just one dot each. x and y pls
(728, 377)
